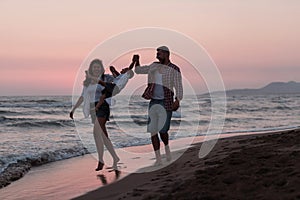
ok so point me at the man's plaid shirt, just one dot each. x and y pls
(171, 78)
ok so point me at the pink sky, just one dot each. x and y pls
(43, 43)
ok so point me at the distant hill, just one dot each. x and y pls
(291, 87)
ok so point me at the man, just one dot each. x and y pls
(163, 77)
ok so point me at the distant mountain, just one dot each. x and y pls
(291, 87)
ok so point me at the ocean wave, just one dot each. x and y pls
(34, 105)
(14, 119)
(53, 112)
(44, 101)
(203, 122)
(3, 119)
(283, 107)
(131, 141)
(15, 167)
(10, 115)
(7, 112)
(47, 112)
(258, 109)
(141, 116)
(13, 172)
(133, 116)
(22, 100)
(144, 122)
(47, 123)
(139, 122)
(231, 119)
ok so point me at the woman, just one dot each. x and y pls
(89, 87)
(90, 96)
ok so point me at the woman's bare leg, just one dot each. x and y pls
(107, 142)
(99, 145)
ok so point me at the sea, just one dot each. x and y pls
(35, 130)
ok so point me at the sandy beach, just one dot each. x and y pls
(265, 166)
(251, 166)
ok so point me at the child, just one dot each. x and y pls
(120, 81)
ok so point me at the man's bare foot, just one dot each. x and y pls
(158, 163)
(168, 153)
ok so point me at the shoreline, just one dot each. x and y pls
(56, 180)
(255, 166)
(16, 171)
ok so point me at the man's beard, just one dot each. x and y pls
(161, 60)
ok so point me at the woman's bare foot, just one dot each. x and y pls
(100, 166)
(115, 164)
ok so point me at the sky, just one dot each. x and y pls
(44, 43)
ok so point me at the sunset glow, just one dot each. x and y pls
(43, 43)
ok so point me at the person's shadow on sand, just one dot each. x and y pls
(103, 179)
(117, 173)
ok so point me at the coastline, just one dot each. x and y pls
(263, 166)
(76, 178)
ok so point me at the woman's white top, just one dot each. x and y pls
(91, 94)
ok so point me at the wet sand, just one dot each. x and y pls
(72, 177)
(240, 166)
(265, 166)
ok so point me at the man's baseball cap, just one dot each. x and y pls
(163, 48)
